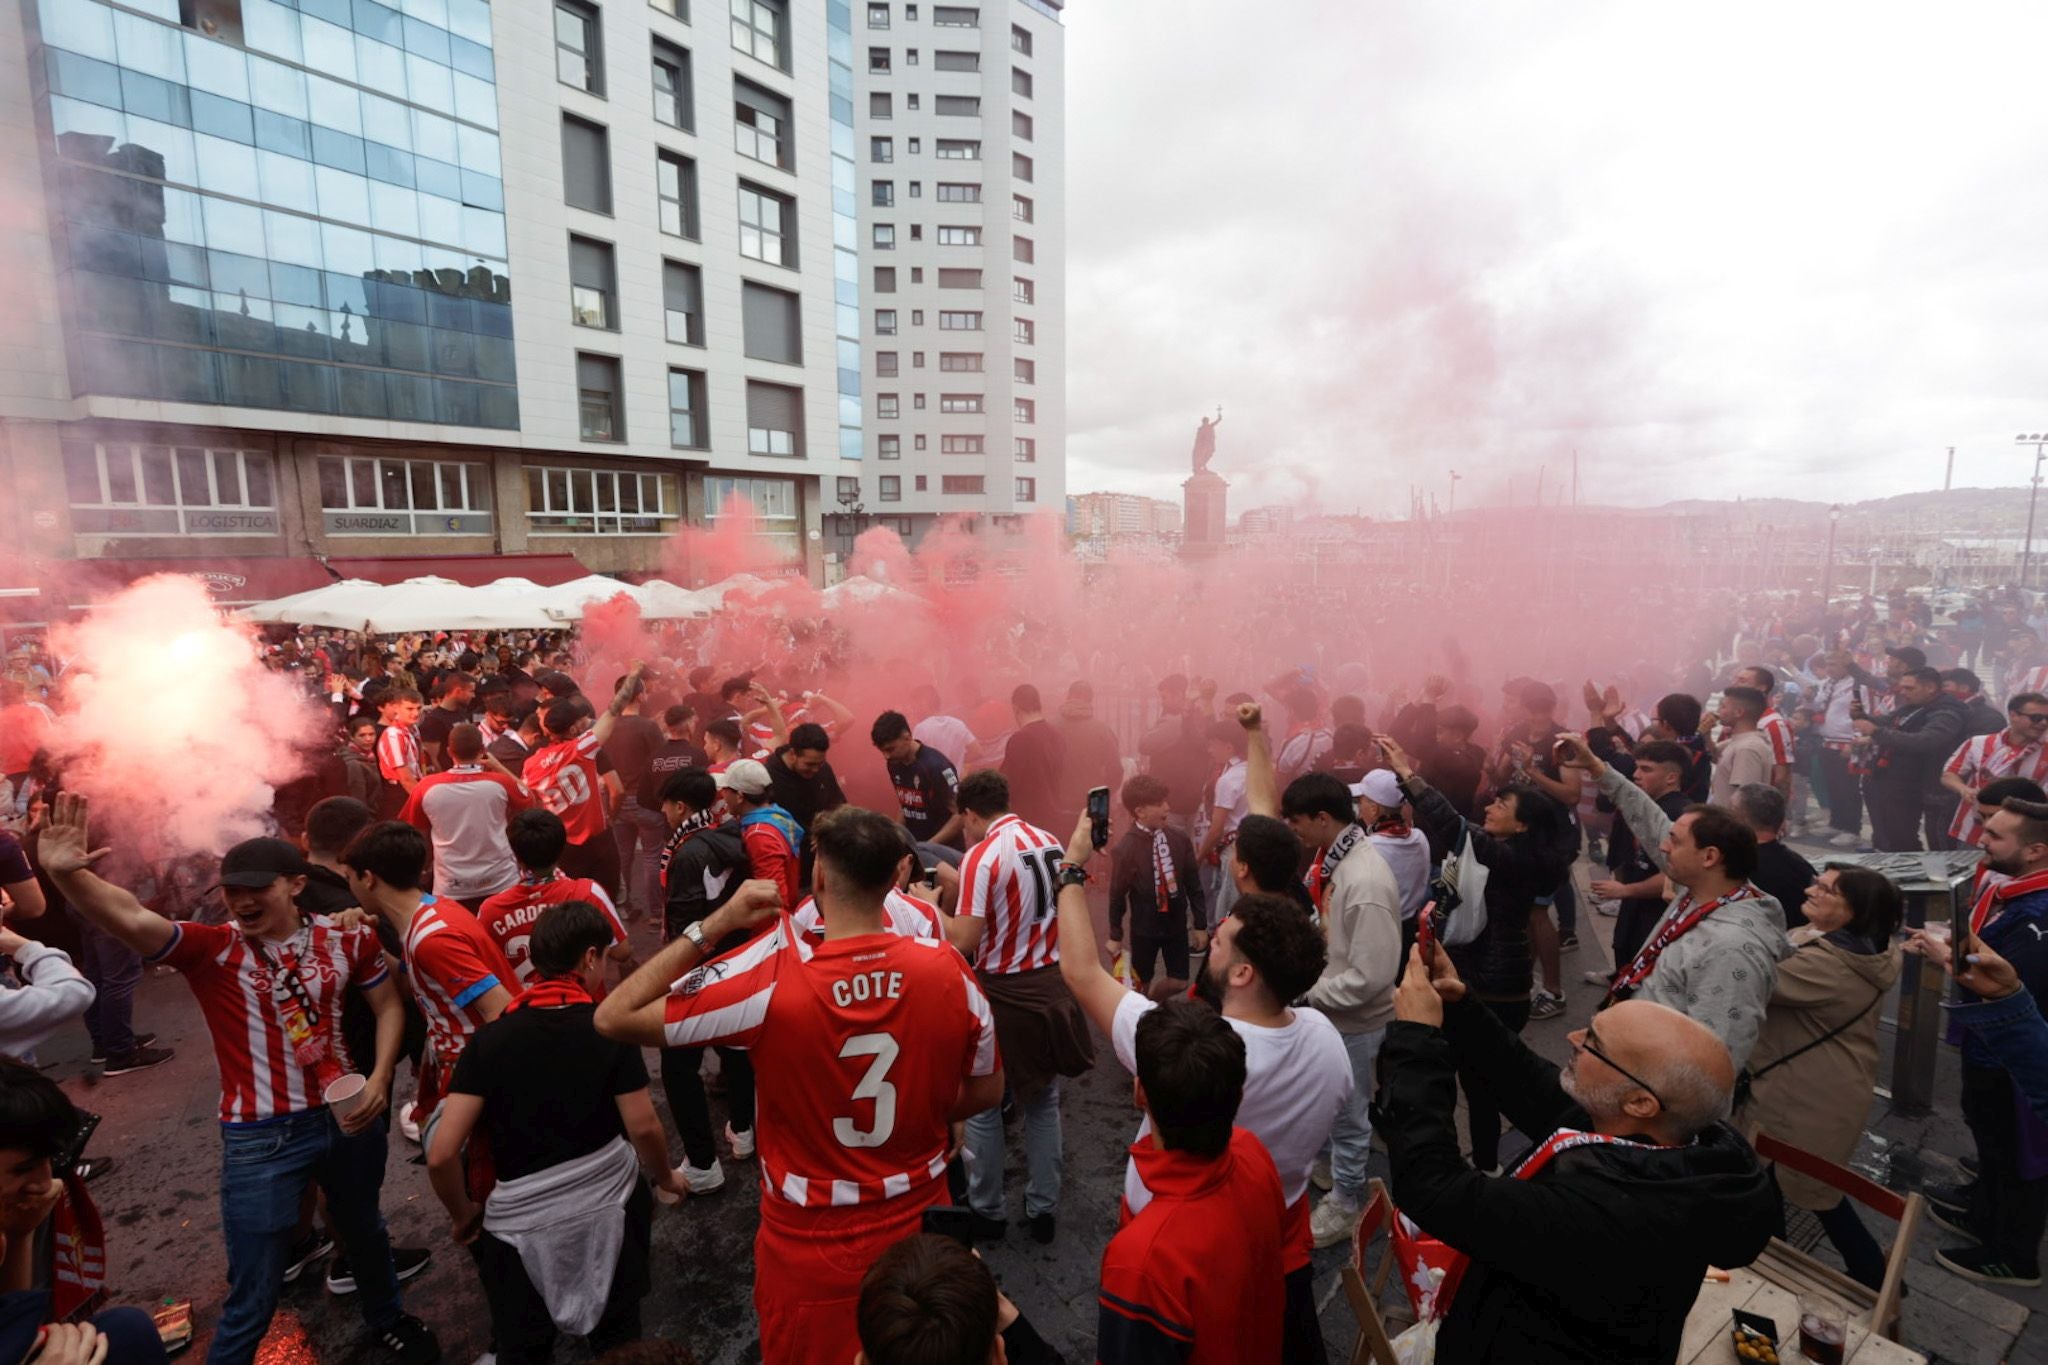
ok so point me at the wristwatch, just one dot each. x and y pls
(1073, 874)
(694, 931)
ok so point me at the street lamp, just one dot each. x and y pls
(1453, 507)
(851, 509)
(2039, 441)
(1827, 568)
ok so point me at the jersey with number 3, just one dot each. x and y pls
(564, 780)
(861, 1046)
(1011, 880)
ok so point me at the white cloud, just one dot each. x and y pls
(1741, 250)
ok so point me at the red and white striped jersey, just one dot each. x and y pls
(902, 913)
(1986, 758)
(398, 752)
(2033, 679)
(861, 1046)
(1011, 879)
(261, 1076)
(452, 964)
(1775, 728)
(509, 916)
(564, 779)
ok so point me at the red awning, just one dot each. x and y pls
(470, 570)
(230, 582)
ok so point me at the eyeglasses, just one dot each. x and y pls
(1592, 1045)
(2031, 717)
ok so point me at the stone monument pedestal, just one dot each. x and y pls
(1205, 514)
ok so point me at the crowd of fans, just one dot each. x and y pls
(1328, 913)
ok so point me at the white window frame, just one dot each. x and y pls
(773, 505)
(175, 512)
(749, 31)
(543, 518)
(762, 234)
(961, 402)
(473, 487)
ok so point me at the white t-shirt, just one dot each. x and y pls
(1296, 1079)
(1409, 860)
(1231, 797)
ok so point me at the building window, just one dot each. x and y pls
(757, 27)
(602, 502)
(767, 225)
(1020, 82)
(916, 314)
(917, 360)
(952, 192)
(878, 61)
(1020, 40)
(675, 184)
(1023, 410)
(960, 402)
(917, 442)
(775, 422)
(880, 104)
(599, 399)
(917, 232)
(1027, 450)
(959, 236)
(944, 60)
(915, 147)
(889, 447)
(1021, 208)
(1024, 371)
(960, 445)
(1025, 332)
(687, 427)
(675, 9)
(916, 188)
(959, 322)
(1020, 125)
(1020, 166)
(881, 149)
(912, 102)
(171, 491)
(770, 502)
(878, 16)
(886, 364)
(771, 323)
(960, 362)
(891, 486)
(885, 236)
(1023, 249)
(586, 165)
(885, 279)
(760, 128)
(1027, 490)
(957, 106)
(579, 57)
(960, 483)
(917, 401)
(682, 298)
(363, 495)
(957, 149)
(1023, 290)
(919, 482)
(959, 278)
(910, 56)
(888, 405)
(885, 322)
(593, 284)
(673, 102)
(882, 194)
(955, 16)
(847, 487)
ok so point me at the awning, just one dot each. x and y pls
(470, 570)
(230, 582)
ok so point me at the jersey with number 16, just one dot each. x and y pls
(861, 1048)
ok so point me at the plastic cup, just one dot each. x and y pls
(344, 1093)
(1934, 866)
(663, 1196)
(1823, 1330)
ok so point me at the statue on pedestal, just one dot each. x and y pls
(1205, 517)
(1205, 440)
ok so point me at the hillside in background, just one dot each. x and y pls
(1971, 511)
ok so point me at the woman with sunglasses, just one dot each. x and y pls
(1815, 1063)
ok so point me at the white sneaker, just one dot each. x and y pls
(409, 1126)
(1846, 840)
(1333, 1221)
(704, 1180)
(1319, 1175)
(487, 1358)
(1598, 978)
(742, 1144)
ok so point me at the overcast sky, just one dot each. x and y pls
(1772, 249)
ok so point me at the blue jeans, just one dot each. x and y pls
(1043, 1156)
(115, 970)
(1351, 1134)
(632, 826)
(265, 1168)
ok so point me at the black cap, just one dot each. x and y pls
(560, 684)
(259, 862)
(1910, 654)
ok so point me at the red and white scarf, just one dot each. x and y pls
(1319, 876)
(1683, 919)
(1992, 896)
(1165, 885)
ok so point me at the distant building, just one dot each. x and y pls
(1265, 520)
(1124, 516)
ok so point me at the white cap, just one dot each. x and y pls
(1380, 787)
(746, 776)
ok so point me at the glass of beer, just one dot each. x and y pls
(1823, 1330)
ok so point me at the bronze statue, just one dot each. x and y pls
(1205, 440)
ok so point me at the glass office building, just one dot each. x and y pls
(288, 206)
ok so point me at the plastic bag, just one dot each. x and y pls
(1121, 970)
(1417, 1345)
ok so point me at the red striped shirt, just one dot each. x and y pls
(398, 752)
(509, 916)
(260, 1073)
(2033, 679)
(452, 964)
(862, 1044)
(1011, 880)
(901, 914)
(1986, 758)
(1778, 731)
(564, 779)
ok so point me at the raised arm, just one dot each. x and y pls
(635, 1010)
(621, 699)
(1646, 819)
(1080, 965)
(1261, 776)
(68, 857)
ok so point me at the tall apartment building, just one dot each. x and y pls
(1125, 516)
(962, 206)
(363, 279)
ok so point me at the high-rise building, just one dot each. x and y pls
(1125, 516)
(437, 277)
(961, 127)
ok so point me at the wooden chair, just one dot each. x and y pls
(1905, 1209)
(1363, 1287)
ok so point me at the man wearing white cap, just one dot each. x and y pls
(1384, 813)
(774, 840)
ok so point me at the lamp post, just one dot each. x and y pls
(851, 509)
(1452, 506)
(1827, 567)
(2039, 441)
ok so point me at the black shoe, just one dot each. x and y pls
(99, 1053)
(1954, 1200)
(406, 1261)
(93, 1167)
(1983, 1265)
(142, 1059)
(305, 1251)
(1041, 1228)
(410, 1341)
(1969, 1165)
(987, 1229)
(1567, 943)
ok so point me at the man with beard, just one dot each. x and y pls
(1907, 749)
(1297, 1072)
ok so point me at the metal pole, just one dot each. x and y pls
(1827, 569)
(2027, 554)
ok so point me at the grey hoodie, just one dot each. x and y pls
(1721, 972)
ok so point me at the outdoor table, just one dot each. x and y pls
(1772, 1288)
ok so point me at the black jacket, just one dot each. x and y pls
(1593, 1260)
(1912, 745)
(1133, 886)
(699, 875)
(1980, 717)
(1518, 871)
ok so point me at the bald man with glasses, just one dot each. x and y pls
(1593, 1245)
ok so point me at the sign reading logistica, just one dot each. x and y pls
(406, 523)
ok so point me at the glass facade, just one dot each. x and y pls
(288, 205)
(845, 225)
